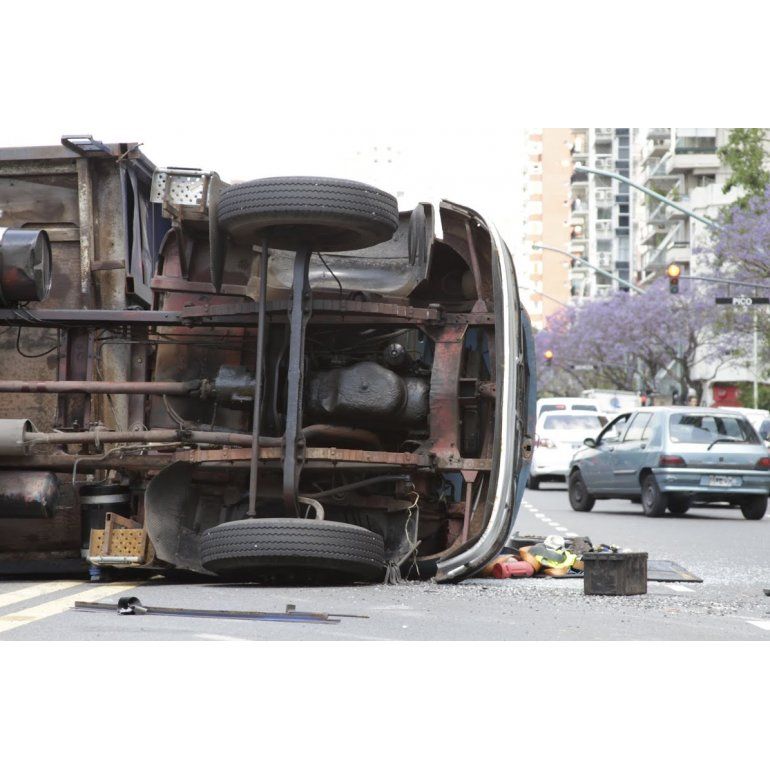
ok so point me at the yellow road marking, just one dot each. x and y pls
(56, 606)
(39, 589)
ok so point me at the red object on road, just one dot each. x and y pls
(512, 569)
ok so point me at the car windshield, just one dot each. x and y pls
(706, 428)
(572, 422)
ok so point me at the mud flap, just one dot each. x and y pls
(172, 513)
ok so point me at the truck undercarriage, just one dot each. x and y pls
(280, 378)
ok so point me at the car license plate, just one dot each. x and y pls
(724, 481)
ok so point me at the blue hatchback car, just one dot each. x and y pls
(672, 457)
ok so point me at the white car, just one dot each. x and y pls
(566, 404)
(558, 436)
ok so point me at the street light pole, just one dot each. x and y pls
(588, 264)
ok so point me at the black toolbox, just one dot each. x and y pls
(614, 574)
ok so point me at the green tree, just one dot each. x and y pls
(744, 153)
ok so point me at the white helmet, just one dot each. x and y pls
(554, 542)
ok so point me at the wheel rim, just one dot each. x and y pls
(649, 496)
(577, 491)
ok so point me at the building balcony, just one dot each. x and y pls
(651, 232)
(682, 162)
(673, 215)
(658, 133)
(680, 252)
(654, 148)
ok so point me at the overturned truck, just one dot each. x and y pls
(287, 377)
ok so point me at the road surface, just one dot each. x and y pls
(717, 544)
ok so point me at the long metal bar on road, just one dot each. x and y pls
(662, 198)
(588, 264)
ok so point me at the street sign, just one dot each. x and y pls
(743, 301)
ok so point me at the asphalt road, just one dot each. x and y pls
(717, 544)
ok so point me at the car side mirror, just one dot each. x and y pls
(590, 442)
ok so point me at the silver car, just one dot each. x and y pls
(671, 457)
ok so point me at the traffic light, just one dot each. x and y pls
(673, 272)
(548, 355)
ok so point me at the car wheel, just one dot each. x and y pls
(753, 508)
(293, 549)
(533, 482)
(579, 498)
(653, 500)
(678, 505)
(317, 212)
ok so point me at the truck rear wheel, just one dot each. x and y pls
(293, 549)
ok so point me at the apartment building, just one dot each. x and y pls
(544, 275)
(600, 211)
(628, 233)
(682, 164)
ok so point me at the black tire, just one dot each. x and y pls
(678, 504)
(577, 491)
(532, 482)
(316, 212)
(654, 502)
(753, 508)
(291, 549)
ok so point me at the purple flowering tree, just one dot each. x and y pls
(741, 248)
(632, 340)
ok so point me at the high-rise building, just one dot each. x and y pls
(682, 164)
(544, 275)
(600, 211)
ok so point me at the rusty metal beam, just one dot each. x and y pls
(99, 386)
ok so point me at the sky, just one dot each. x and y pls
(303, 88)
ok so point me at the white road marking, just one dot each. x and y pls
(562, 529)
(39, 589)
(681, 589)
(57, 606)
(572, 534)
(539, 515)
(220, 638)
(763, 624)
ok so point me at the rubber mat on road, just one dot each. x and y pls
(669, 572)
